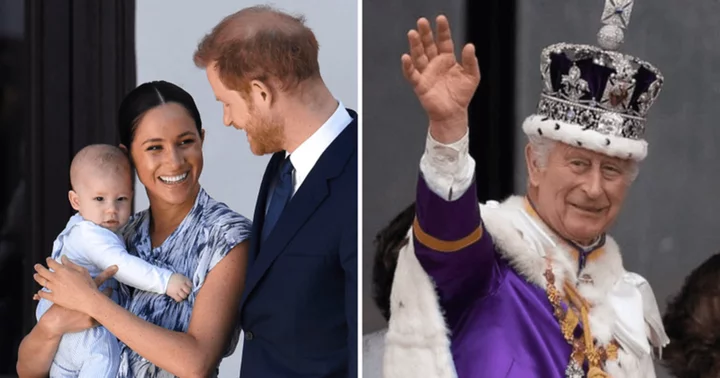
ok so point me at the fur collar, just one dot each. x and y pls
(525, 248)
(417, 341)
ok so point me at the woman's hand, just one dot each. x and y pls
(71, 287)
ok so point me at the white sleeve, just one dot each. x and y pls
(102, 248)
(448, 169)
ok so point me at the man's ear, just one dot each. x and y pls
(532, 165)
(261, 93)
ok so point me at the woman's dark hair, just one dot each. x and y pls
(692, 322)
(388, 243)
(146, 97)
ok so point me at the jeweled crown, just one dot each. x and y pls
(599, 88)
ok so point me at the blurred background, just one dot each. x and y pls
(65, 66)
(668, 224)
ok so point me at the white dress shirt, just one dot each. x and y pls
(448, 169)
(307, 154)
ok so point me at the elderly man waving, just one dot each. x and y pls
(532, 286)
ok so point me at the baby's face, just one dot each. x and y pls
(104, 200)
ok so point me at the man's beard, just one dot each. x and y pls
(265, 134)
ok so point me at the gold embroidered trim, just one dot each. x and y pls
(443, 245)
(583, 347)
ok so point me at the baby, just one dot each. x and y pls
(101, 193)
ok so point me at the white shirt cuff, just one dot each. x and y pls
(448, 169)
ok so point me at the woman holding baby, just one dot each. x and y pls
(184, 230)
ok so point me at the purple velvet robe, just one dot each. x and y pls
(501, 325)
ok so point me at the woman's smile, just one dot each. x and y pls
(174, 180)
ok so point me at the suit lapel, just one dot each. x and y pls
(303, 204)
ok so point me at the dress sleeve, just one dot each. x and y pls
(228, 230)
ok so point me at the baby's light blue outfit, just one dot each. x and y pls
(95, 353)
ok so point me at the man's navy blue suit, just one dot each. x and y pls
(299, 306)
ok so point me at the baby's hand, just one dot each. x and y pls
(179, 287)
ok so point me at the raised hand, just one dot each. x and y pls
(443, 86)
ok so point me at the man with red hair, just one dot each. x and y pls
(299, 307)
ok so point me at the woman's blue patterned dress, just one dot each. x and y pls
(204, 237)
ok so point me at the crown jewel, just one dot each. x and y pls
(599, 88)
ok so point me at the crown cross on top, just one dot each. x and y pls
(617, 12)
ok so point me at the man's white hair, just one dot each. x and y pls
(542, 146)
